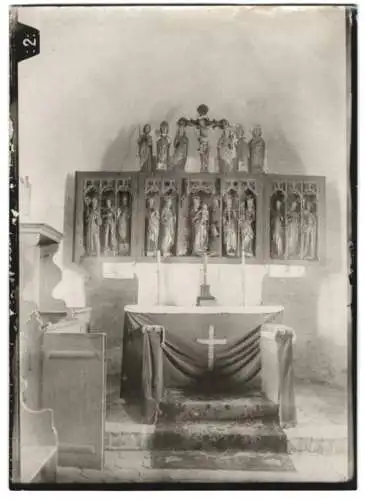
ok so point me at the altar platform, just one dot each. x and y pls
(318, 449)
(322, 420)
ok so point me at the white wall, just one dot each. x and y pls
(102, 72)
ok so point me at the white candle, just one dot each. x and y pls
(243, 277)
(243, 258)
(158, 258)
(158, 277)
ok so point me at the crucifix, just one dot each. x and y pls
(211, 341)
(203, 123)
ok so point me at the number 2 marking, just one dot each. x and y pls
(27, 42)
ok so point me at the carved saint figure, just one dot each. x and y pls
(110, 227)
(168, 223)
(229, 228)
(181, 145)
(226, 148)
(242, 150)
(309, 232)
(247, 219)
(123, 225)
(145, 152)
(257, 149)
(215, 227)
(153, 227)
(93, 229)
(293, 229)
(277, 231)
(163, 147)
(201, 230)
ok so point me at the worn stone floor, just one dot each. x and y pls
(133, 466)
(322, 413)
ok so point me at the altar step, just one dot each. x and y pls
(317, 431)
(139, 437)
(228, 460)
(218, 436)
(208, 436)
(179, 406)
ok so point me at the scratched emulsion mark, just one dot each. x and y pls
(24, 43)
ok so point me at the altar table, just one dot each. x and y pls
(193, 347)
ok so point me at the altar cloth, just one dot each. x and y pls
(236, 360)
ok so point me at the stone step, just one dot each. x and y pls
(227, 460)
(136, 466)
(321, 439)
(119, 436)
(129, 436)
(196, 436)
(177, 406)
(220, 436)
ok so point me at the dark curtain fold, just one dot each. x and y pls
(287, 409)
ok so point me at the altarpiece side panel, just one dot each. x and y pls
(104, 219)
(296, 219)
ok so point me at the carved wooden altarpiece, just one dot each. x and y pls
(123, 216)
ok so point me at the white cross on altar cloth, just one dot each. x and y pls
(211, 342)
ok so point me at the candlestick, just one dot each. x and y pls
(243, 277)
(205, 264)
(205, 297)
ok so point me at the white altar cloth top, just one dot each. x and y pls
(165, 309)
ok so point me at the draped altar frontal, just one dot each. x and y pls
(186, 347)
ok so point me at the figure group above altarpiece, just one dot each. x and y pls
(259, 217)
(230, 152)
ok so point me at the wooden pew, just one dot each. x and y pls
(38, 444)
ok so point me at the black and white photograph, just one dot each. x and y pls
(182, 193)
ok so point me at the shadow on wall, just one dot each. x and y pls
(121, 155)
(121, 152)
(282, 157)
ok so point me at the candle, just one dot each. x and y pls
(243, 277)
(158, 277)
(243, 258)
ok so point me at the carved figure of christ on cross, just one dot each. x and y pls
(203, 123)
(211, 341)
